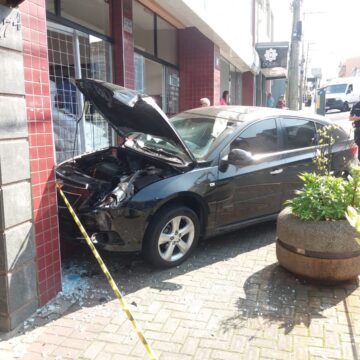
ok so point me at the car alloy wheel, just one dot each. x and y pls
(171, 237)
(176, 238)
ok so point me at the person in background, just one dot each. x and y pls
(281, 102)
(270, 101)
(224, 100)
(355, 118)
(204, 102)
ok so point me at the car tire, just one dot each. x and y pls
(345, 107)
(171, 236)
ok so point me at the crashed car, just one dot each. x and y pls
(201, 173)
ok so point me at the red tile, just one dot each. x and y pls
(36, 75)
(37, 89)
(28, 74)
(42, 286)
(33, 8)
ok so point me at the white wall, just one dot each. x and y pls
(230, 19)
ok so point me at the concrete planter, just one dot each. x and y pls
(319, 250)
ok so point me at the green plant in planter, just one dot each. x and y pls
(353, 218)
(324, 196)
(322, 157)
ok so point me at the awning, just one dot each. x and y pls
(273, 59)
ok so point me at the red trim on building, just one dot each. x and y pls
(248, 88)
(36, 75)
(123, 47)
(198, 75)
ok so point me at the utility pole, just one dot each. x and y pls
(293, 94)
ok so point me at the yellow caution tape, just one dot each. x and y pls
(108, 276)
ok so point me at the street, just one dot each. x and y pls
(341, 118)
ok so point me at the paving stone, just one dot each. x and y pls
(230, 301)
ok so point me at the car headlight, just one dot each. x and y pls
(338, 99)
(115, 198)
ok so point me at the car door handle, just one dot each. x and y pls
(276, 171)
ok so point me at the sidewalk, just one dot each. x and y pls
(229, 301)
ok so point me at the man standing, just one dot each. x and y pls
(355, 118)
(204, 102)
(270, 101)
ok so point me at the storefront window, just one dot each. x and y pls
(139, 72)
(50, 6)
(231, 80)
(225, 77)
(74, 54)
(92, 14)
(166, 41)
(144, 29)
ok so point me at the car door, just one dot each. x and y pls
(299, 145)
(251, 190)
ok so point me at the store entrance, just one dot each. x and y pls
(158, 81)
(74, 54)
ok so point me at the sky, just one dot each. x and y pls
(331, 27)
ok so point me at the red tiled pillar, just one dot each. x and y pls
(123, 49)
(248, 79)
(36, 75)
(199, 75)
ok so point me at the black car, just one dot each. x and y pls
(201, 173)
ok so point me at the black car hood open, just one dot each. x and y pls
(128, 111)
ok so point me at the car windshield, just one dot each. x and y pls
(200, 133)
(336, 89)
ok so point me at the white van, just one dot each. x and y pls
(342, 93)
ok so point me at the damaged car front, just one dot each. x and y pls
(116, 191)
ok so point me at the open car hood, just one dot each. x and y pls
(129, 111)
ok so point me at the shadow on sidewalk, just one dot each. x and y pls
(276, 296)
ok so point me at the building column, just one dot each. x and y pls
(38, 108)
(199, 65)
(123, 49)
(248, 79)
(18, 285)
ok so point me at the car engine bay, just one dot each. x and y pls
(112, 176)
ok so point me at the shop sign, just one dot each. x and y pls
(273, 55)
(127, 25)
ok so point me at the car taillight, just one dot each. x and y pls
(354, 149)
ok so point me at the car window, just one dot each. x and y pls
(336, 88)
(337, 133)
(299, 133)
(202, 134)
(259, 138)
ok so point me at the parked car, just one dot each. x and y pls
(201, 173)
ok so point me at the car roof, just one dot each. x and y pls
(249, 113)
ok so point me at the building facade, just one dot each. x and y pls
(350, 67)
(176, 51)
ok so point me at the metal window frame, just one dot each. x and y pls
(155, 59)
(57, 18)
(78, 74)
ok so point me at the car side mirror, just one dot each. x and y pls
(239, 157)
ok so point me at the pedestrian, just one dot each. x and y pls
(355, 118)
(204, 102)
(270, 101)
(281, 102)
(224, 100)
